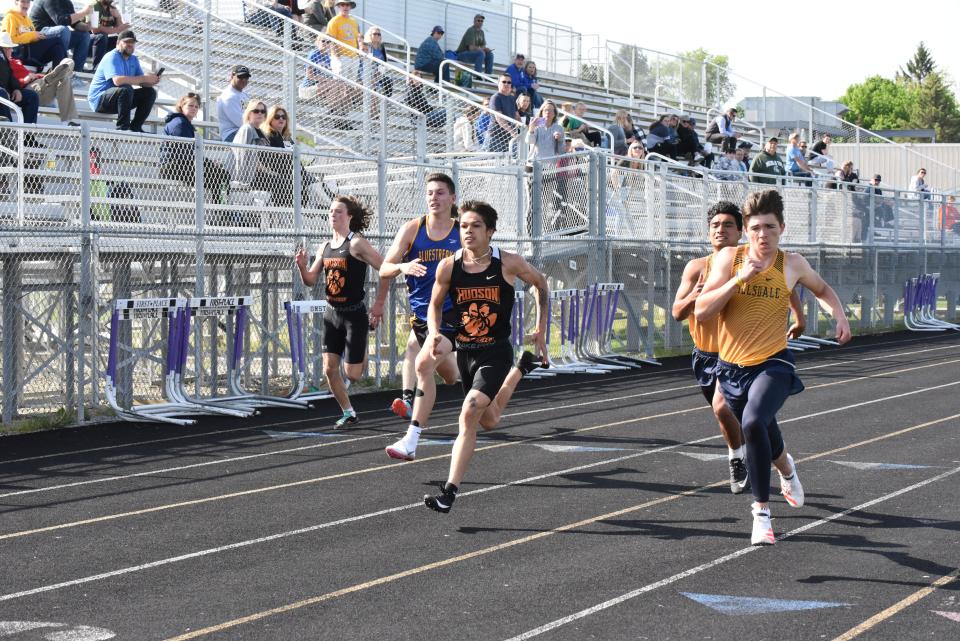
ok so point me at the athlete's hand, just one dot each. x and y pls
(414, 268)
(433, 340)
(843, 331)
(300, 259)
(375, 316)
(796, 330)
(750, 268)
(539, 339)
(698, 288)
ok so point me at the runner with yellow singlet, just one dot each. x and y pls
(726, 225)
(749, 288)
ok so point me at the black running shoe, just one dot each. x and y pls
(441, 502)
(739, 480)
(529, 362)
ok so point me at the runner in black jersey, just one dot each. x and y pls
(346, 323)
(479, 278)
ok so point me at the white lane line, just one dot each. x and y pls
(518, 393)
(419, 504)
(719, 561)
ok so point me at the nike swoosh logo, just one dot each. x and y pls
(491, 276)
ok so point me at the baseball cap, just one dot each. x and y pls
(773, 139)
(127, 35)
(241, 71)
(437, 29)
(877, 178)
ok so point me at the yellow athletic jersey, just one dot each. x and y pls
(753, 325)
(347, 31)
(704, 334)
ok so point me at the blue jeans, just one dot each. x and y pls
(78, 41)
(29, 104)
(41, 52)
(482, 61)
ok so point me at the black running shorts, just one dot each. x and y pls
(345, 334)
(484, 369)
(447, 328)
(705, 370)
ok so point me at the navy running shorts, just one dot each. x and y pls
(704, 366)
(735, 381)
(484, 369)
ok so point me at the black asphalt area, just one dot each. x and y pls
(600, 509)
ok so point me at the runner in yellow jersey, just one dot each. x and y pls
(726, 226)
(749, 289)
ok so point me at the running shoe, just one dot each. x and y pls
(399, 451)
(790, 487)
(346, 420)
(738, 476)
(529, 362)
(762, 530)
(441, 502)
(402, 408)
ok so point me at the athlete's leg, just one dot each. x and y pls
(729, 425)
(409, 371)
(447, 369)
(764, 442)
(473, 408)
(331, 372)
(426, 385)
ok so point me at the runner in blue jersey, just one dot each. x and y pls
(417, 249)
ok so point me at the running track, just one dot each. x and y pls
(599, 510)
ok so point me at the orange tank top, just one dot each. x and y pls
(704, 334)
(753, 325)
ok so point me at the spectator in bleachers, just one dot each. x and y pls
(502, 130)
(743, 155)
(318, 13)
(482, 125)
(315, 81)
(268, 18)
(11, 89)
(845, 176)
(727, 166)
(524, 109)
(275, 171)
(576, 128)
(56, 84)
(464, 135)
(416, 99)
(637, 155)
(57, 18)
(918, 184)
(517, 74)
(948, 216)
(544, 133)
(112, 92)
(722, 127)
(373, 44)
(769, 163)
(109, 24)
(230, 102)
(660, 139)
(31, 46)
(343, 60)
(430, 55)
(796, 163)
(631, 133)
(533, 84)
(689, 145)
(246, 162)
(177, 160)
(882, 211)
(819, 156)
(473, 47)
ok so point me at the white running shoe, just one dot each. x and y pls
(399, 450)
(762, 530)
(790, 488)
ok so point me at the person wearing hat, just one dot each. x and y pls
(430, 55)
(769, 163)
(230, 103)
(111, 90)
(58, 83)
(345, 60)
(11, 89)
(689, 145)
(29, 43)
(521, 82)
(57, 19)
(473, 47)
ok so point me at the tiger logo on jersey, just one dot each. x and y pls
(336, 269)
(478, 320)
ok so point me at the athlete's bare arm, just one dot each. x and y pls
(441, 286)
(362, 249)
(312, 275)
(799, 271)
(515, 266)
(392, 265)
(799, 318)
(720, 286)
(691, 284)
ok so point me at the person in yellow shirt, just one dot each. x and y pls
(33, 46)
(749, 289)
(342, 27)
(726, 227)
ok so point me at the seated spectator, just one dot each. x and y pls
(56, 84)
(845, 174)
(317, 80)
(918, 184)
(464, 136)
(430, 55)
(727, 166)
(230, 102)
(524, 109)
(660, 140)
(11, 88)
(473, 47)
(502, 129)
(688, 145)
(482, 125)
(544, 133)
(373, 45)
(345, 60)
(533, 84)
(796, 164)
(177, 160)
(576, 128)
(31, 46)
(246, 161)
(521, 83)
(743, 155)
(631, 132)
(274, 173)
(318, 13)
(57, 19)
(109, 24)
(882, 211)
(619, 133)
(769, 163)
(948, 216)
(269, 18)
(637, 154)
(722, 127)
(416, 99)
(112, 92)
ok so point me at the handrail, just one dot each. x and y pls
(472, 71)
(12, 106)
(406, 44)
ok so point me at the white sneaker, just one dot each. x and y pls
(400, 450)
(791, 489)
(762, 530)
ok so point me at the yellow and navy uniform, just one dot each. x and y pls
(704, 333)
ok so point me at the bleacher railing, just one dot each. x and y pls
(108, 215)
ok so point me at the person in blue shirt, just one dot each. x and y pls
(430, 55)
(112, 92)
(796, 163)
(521, 82)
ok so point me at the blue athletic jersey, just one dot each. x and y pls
(430, 252)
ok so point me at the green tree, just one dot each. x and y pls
(919, 67)
(935, 107)
(720, 87)
(878, 103)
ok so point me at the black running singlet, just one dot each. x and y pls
(483, 303)
(344, 274)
